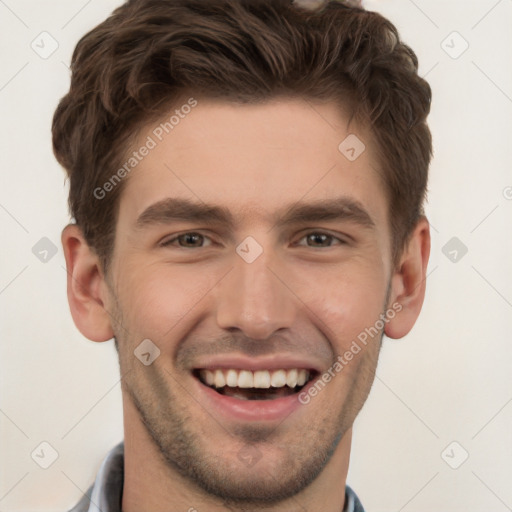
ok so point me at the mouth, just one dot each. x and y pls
(260, 385)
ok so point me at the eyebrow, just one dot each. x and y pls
(181, 209)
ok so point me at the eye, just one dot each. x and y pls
(322, 238)
(193, 240)
(190, 240)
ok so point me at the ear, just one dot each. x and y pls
(409, 281)
(86, 287)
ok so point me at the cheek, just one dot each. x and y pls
(157, 299)
(161, 301)
(349, 304)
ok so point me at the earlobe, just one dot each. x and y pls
(86, 288)
(409, 281)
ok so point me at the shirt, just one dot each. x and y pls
(105, 495)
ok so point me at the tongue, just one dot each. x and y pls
(255, 393)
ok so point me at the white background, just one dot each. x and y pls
(449, 380)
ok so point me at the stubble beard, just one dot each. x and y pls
(186, 451)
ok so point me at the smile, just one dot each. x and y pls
(255, 385)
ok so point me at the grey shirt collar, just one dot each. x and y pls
(105, 495)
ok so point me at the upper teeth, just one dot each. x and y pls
(259, 379)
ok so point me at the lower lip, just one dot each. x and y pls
(252, 410)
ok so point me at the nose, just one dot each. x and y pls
(257, 298)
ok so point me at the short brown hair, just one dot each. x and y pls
(135, 64)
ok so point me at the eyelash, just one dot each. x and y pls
(168, 243)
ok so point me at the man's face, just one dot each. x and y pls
(256, 294)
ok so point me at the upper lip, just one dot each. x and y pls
(270, 362)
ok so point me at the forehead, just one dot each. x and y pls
(253, 159)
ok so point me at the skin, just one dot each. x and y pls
(303, 296)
